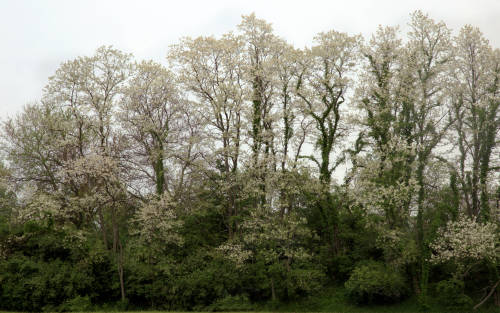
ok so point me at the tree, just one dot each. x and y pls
(278, 243)
(34, 146)
(88, 89)
(428, 53)
(105, 194)
(259, 57)
(211, 183)
(212, 70)
(324, 77)
(158, 225)
(466, 243)
(387, 130)
(260, 50)
(150, 111)
(475, 107)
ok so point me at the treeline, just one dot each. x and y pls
(250, 171)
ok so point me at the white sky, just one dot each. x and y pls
(36, 36)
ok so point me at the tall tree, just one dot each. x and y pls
(105, 191)
(35, 144)
(88, 88)
(428, 53)
(475, 106)
(260, 48)
(211, 69)
(150, 113)
(324, 78)
(386, 116)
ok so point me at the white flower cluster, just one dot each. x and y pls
(158, 222)
(235, 253)
(40, 207)
(466, 240)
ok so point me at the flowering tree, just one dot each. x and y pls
(211, 69)
(87, 89)
(387, 124)
(466, 242)
(158, 225)
(103, 195)
(474, 91)
(150, 114)
(234, 149)
(324, 78)
(276, 241)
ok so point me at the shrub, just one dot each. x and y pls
(305, 282)
(451, 294)
(77, 304)
(232, 304)
(373, 282)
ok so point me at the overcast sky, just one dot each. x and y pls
(36, 36)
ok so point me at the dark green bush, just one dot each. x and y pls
(305, 282)
(451, 294)
(202, 279)
(373, 282)
(30, 285)
(42, 274)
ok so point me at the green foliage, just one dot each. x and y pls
(42, 273)
(205, 278)
(451, 294)
(77, 304)
(373, 282)
(239, 303)
(195, 283)
(300, 279)
(32, 285)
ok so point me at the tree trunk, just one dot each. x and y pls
(273, 292)
(160, 175)
(103, 228)
(118, 251)
(497, 297)
(120, 271)
(423, 265)
(494, 290)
